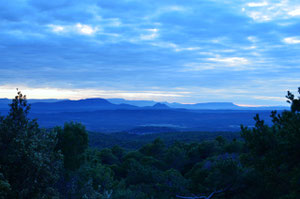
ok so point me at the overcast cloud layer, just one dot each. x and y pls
(246, 52)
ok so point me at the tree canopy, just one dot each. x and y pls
(58, 163)
(29, 164)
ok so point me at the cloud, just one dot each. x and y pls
(86, 29)
(292, 40)
(230, 61)
(268, 98)
(175, 47)
(272, 10)
(150, 35)
(252, 39)
(76, 28)
(132, 46)
(295, 12)
(57, 28)
(9, 91)
(257, 4)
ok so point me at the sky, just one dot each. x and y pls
(188, 51)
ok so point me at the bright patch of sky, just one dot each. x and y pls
(246, 52)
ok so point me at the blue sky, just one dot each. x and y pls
(240, 51)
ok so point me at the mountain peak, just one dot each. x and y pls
(95, 100)
(160, 106)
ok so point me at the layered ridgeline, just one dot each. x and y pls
(112, 115)
(60, 163)
(93, 104)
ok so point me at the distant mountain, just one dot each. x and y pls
(272, 108)
(197, 106)
(99, 114)
(8, 101)
(44, 100)
(139, 103)
(160, 106)
(157, 106)
(177, 119)
(4, 101)
(4, 104)
(91, 104)
(209, 105)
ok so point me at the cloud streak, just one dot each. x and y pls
(133, 46)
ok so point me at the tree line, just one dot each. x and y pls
(58, 163)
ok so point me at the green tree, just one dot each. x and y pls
(295, 103)
(29, 164)
(107, 157)
(155, 149)
(4, 187)
(72, 141)
(274, 153)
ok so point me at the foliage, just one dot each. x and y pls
(29, 164)
(264, 164)
(274, 153)
(72, 141)
(129, 141)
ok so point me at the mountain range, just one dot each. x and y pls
(92, 104)
(140, 117)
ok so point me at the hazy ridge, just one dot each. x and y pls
(102, 115)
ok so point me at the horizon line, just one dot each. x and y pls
(237, 104)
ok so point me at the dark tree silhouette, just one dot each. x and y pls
(29, 164)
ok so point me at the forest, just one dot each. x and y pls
(68, 162)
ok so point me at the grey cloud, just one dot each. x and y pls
(208, 34)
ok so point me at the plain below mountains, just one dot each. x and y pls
(134, 116)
